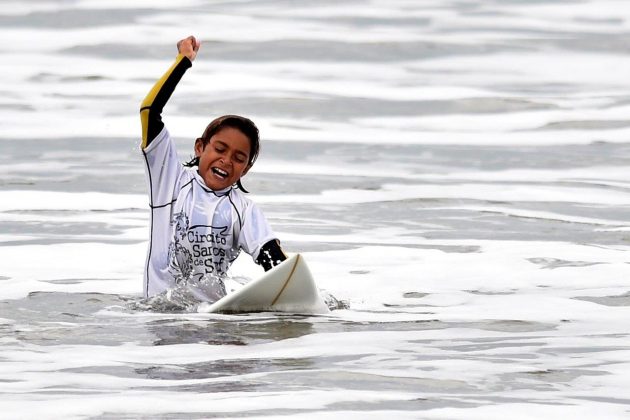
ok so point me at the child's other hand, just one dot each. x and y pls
(189, 47)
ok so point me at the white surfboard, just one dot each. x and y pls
(287, 287)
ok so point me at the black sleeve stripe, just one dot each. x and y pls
(156, 99)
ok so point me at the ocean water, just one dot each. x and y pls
(456, 172)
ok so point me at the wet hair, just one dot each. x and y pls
(242, 124)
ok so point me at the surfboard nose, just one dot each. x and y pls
(288, 287)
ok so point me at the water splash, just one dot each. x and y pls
(189, 293)
(332, 302)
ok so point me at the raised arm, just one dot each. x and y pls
(151, 108)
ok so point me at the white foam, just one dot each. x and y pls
(542, 215)
(83, 201)
(471, 191)
(96, 267)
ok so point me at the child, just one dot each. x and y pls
(200, 217)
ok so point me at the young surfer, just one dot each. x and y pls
(200, 217)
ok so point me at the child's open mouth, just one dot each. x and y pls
(220, 173)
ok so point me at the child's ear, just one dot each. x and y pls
(247, 169)
(199, 146)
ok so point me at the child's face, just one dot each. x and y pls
(223, 160)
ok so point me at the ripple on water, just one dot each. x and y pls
(618, 300)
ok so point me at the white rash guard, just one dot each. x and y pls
(195, 232)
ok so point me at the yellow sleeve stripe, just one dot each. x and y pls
(144, 119)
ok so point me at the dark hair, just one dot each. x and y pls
(244, 125)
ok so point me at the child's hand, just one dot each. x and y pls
(189, 47)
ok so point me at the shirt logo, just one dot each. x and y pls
(197, 251)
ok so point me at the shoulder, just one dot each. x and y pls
(239, 199)
(161, 141)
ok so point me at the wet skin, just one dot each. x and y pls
(224, 159)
